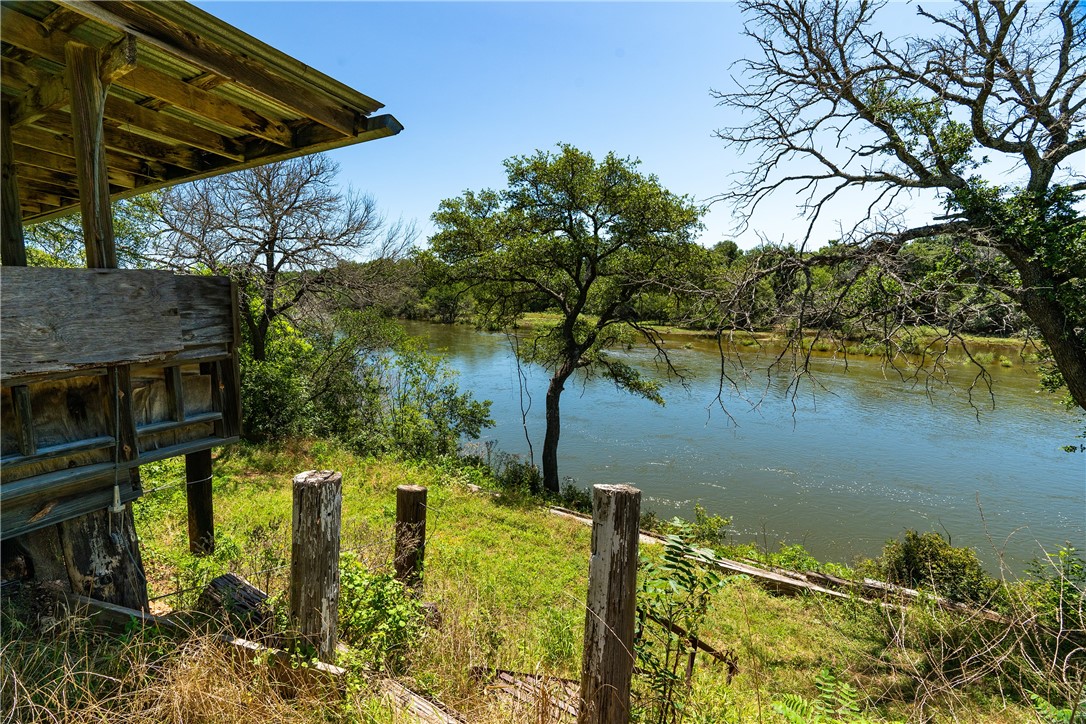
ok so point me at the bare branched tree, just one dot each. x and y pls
(289, 237)
(986, 112)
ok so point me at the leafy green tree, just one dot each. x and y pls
(59, 242)
(985, 112)
(586, 238)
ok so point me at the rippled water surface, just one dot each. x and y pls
(843, 470)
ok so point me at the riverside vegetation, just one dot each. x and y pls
(509, 580)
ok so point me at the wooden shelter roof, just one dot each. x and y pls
(189, 96)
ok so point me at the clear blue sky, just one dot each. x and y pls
(476, 83)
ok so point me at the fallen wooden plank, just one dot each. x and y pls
(427, 711)
(549, 699)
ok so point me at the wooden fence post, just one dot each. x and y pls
(607, 665)
(410, 535)
(314, 559)
(201, 502)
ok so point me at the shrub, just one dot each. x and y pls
(378, 617)
(928, 561)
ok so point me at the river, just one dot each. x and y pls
(840, 468)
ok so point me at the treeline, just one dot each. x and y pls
(934, 283)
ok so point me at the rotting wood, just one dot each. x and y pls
(608, 660)
(410, 536)
(548, 698)
(237, 603)
(101, 552)
(420, 708)
(314, 559)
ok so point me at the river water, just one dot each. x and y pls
(841, 467)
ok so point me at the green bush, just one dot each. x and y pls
(378, 617)
(928, 561)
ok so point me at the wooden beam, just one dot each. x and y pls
(12, 245)
(138, 118)
(117, 59)
(26, 33)
(24, 420)
(44, 160)
(138, 19)
(66, 179)
(175, 92)
(44, 97)
(33, 149)
(18, 76)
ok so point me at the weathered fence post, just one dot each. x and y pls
(608, 662)
(410, 535)
(201, 505)
(314, 559)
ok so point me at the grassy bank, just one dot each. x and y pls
(509, 580)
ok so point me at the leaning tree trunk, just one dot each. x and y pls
(550, 438)
(1041, 304)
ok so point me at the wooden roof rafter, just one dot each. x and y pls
(189, 96)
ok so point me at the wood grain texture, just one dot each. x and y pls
(314, 559)
(410, 535)
(55, 320)
(12, 246)
(88, 96)
(206, 306)
(608, 661)
(201, 502)
(102, 554)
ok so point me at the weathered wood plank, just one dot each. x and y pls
(175, 393)
(56, 451)
(207, 310)
(53, 320)
(22, 517)
(24, 420)
(418, 707)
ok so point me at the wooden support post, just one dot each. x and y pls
(314, 559)
(101, 549)
(87, 103)
(201, 504)
(12, 246)
(410, 535)
(607, 665)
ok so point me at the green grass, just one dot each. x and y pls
(509, 580)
